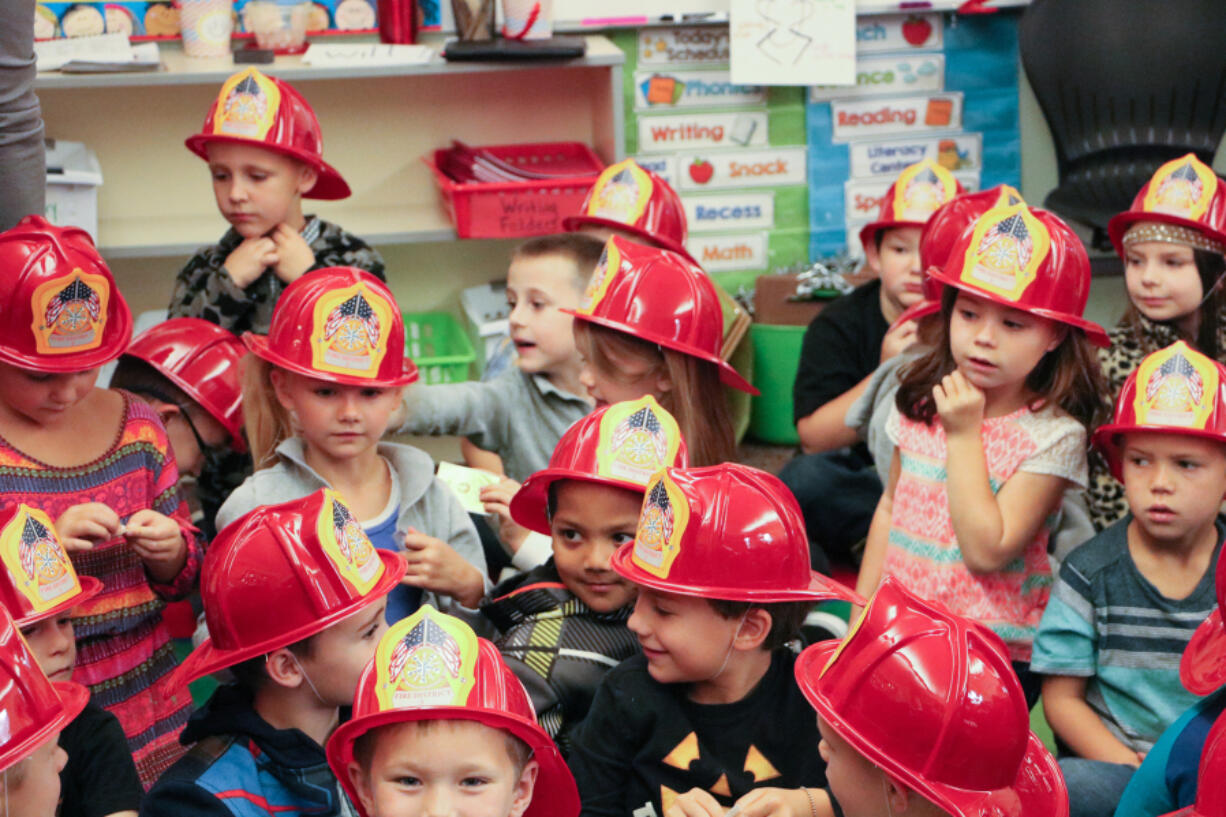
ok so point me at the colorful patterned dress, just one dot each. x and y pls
(124, 652)
(923, 550)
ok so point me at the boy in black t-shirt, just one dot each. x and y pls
(710, 714)
(833, 479)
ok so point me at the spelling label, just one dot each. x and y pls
(875, 117)
(742, 211)
(723, 253)
(684, 46)
(693, 89)
(898, 32)
(962, 151)
(888, 75)
(768, 167)
(680, 131)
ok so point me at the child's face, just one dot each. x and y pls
(257, 189)
(453, 769)
(996, 346)
(683, 638)
(1174, 484)
(855, 782)
(187, 433)
(38, 794)
(589, 524)
(1162, 279)
(538, 289)
(632, 378)
(42, 399)
(340, 653)
(337, 422)
(897, 264)
(54, 646)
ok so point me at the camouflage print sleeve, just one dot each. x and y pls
(336, 248)
(203, 289)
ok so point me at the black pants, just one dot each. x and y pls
(838, 492)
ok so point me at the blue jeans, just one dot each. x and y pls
(1094, 787)
(837, 492)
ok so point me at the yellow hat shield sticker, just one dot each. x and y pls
(662, 522)
(637, 439)
(1008, 197)
(606, 270)
(1181, 187)
(851, 633)
(349, 331)
(36, 561)
(70, 313)
(621, 193)
(1176, 387)
(1005, 251)
(426, 660)
(347, 545)
(247, 105)
(920, 189)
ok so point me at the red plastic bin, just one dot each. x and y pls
(520, 209)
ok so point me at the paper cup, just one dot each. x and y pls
(206, 27)
(527, 19)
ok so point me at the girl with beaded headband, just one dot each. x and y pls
(1173, 245)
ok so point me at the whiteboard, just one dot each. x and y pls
(571, 15)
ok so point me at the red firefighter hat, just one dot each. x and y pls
(622, 445)
(432, 666)
(202, 359)
(631, 198)
(339, 324)
(726, 532)
(32, 709)
(1184, 192)
(1203, 666)
(307, 559)
(932, 699)
(255, 109)
(1211, 777)
(660, 297)
(912, 199)
(40, 581)
(1175, 390)
(1025, 259)
(62, 310)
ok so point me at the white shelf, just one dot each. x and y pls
(184, 70)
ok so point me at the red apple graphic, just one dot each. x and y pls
(701, 171)
(916, 30)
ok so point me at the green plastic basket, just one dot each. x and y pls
(439, 346)
(775, 360)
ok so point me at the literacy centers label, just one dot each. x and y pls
(767, 167)
(665, 89)
(887, 75)
(729, 252)
(883, 116)
(898, 32)
(682, 131)
(683, 46)
(954, 152)
(730, 211)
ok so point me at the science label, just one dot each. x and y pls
(888, 76)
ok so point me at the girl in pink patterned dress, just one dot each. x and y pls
(990, 428)
(98, 462)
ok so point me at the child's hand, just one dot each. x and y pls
(158, 540)
(81, 525)
(898, 339)
(959, 404)
(294, 254)
(770, 802)
(497, 500)
(434, 565)
(250, 259)
(695, 803)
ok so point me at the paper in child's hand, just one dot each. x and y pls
(466, 483)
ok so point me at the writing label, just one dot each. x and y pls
(663, 165)
(898, 32)
(682, 131)
(962, 151)
(724, 253)
(769, 167)
(862, 197)
(685, 45)
(656, 90)
(741, 211)
(875, 117)
(888, 75)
